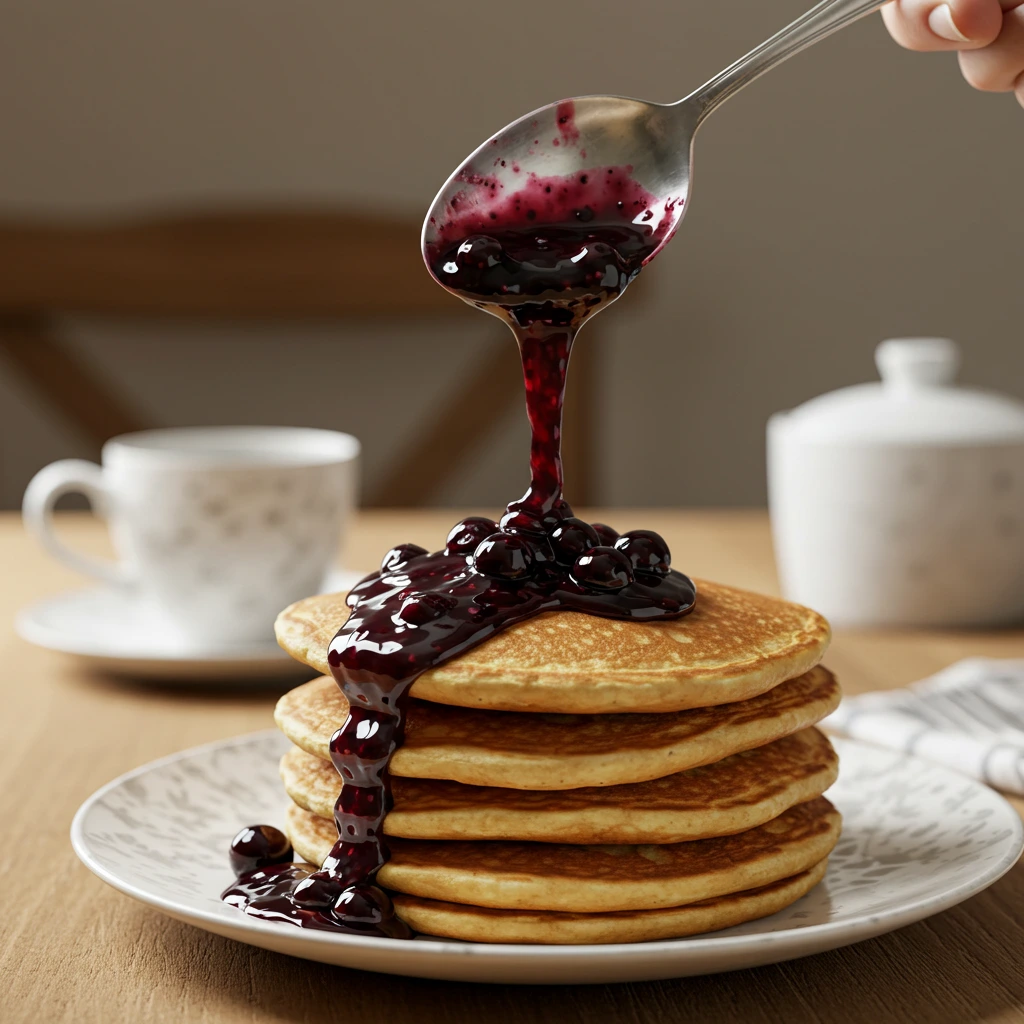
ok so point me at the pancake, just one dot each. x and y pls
(593, 878)
(535, 751)
(732, 795)
(483, 924)
(732, 646)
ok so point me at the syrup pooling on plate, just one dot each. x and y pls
(552, 256)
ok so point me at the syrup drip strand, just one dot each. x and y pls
(421, 609)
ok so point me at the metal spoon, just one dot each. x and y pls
(655, 140)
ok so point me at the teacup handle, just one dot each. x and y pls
(69, 476)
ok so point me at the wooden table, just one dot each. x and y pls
(75, 950)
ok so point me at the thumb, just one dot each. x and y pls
(948, 25)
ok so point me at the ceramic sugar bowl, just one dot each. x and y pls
(902, 502)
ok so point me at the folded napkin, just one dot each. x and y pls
(969, 716)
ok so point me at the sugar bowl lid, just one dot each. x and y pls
(916, 402)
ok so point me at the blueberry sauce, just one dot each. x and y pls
(545, 258)
(554, 250)
(259, 846)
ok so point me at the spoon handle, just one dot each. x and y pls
(820, 21)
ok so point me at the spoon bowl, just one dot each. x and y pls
(648, 144)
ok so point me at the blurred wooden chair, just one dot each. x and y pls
(269, 264)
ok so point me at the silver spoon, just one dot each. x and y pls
(655, 140)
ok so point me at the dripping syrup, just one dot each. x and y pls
(545, 259)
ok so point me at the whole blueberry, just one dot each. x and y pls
(504, 556)
(365, 904)
(603, 568)
(259, 846)
(562, 509)
(646, 551)
(606, 534)
(572, 538)
(399, 555)
(465, 536)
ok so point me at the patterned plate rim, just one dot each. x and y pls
(831, 933)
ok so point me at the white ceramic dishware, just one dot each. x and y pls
(105, 630)
(901, 503)
(917, 839)
(216, 528)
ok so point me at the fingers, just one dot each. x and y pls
(999, 67)
(954, 25)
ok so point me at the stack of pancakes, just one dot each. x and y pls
(580, 779)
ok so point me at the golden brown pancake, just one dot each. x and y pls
(732, 795)
(538, 751)
(484, 924)
(594, 878)
(733, 646)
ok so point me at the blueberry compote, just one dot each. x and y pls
(545, 258)
(553, 250)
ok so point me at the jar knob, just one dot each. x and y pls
(905, 363)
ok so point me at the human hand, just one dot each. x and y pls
(989, 35)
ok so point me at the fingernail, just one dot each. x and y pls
(941, 22)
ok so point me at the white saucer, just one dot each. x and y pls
(917, 839)
(109, 632)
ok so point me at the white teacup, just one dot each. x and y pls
(216, 528)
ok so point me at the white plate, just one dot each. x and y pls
(917, 838)
(109, 631)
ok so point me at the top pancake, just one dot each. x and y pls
(734, 645)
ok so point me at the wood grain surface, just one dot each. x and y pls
(72, 949)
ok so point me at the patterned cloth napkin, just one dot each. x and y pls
(969, 716)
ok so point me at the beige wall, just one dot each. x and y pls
(857, 192)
